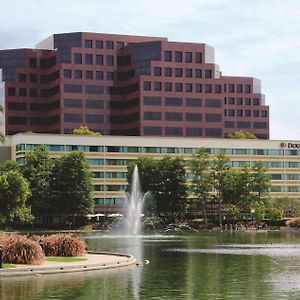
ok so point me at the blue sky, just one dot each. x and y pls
(258, 38)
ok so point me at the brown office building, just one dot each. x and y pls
(126, 85)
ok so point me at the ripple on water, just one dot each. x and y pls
(280, 250)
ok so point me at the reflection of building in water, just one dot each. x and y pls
(108, 157)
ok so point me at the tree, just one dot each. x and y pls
(171, 192)
(244, 135)
(37, 170)
(220, 168)
(288, 207)
(9, 165)
(261, 182)
(14, 191)
(71, 185)
(202, 180)
(84, 130)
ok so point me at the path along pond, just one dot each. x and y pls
(204, 265)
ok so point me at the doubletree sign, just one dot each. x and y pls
(290, 145)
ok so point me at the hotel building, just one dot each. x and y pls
(126, 85)
(108, 157)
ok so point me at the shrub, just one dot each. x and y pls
(64, 245)
(18, 249)
(294, 222)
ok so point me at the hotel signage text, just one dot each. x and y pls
(290, 145)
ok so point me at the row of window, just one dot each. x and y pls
(88, 74)
(179, 56)
(285, 176)
(178, 131)
(245, 113)
(246, 125)
(241, 101)
(112, 175)
(179, 72)
(283, 189)
(78, 103)
(78, 118)
(90, 59)
(99, 44)
(109, 201)
(159, 150)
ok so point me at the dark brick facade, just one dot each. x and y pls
(127, 85)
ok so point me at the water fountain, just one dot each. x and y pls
(134, 206)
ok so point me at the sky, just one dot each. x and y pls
(257, 38)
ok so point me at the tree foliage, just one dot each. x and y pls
(84, 130)
(288, 207)
(243, 135)
(71, 185)
(14, 191)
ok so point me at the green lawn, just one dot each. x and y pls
(7, 266)
(64, 259)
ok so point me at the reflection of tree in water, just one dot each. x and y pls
(105, 284)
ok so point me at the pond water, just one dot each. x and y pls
(206, 265)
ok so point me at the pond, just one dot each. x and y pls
(205, 265)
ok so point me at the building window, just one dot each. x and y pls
(231, 100)
(32, 63)
(213, 103)
(73, 88)
(256, 113)
(239, 88)
(239, 101)
(208, 74)
(33, 92)
(120, 45)
(198, 57)
(22, 77)
(89, 59)
(229, 124)
(178, 72)
(94, 119)
(247, 101)
(88, 43)
(213, 118)
(77, 58)
(98, 104)
(244, 124)
(239, 112)
(188, 73)
(194, 131)
(178, 56)
(151, 130)
(152, 101)
(168, 55)
(247, 113)
(173, 116)
(230, 112)
(198, 73)
(178, 87)
(109, 60)
(78, 74)
(193, 102)
(67, 73)
(147, 85)
(218, 88)
(189, 87)
(255, 101)
(109, 45)
(33, 78)
(94, 89)
(193, 117)
(88, 74)
(168, 72)
(99, 60)
(213, 132)
(247, 88)
(208, 88)
(17, 106)
(168, 86)
(260, 125)
(99, 75)
(152, 115)
(198, 88)
(11, 91)
(109, 75)
(173, 101)
(22, 92)
(99, 44)
(176, 131)
(74, 103)
(157, 71)
(188, 57)
(264, 113)
(157, 86)
(76, 118)
(231, 88)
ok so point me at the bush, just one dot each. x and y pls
(295, 223)
(64, 245)
(18, 249)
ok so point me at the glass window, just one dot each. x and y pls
(208, 74)
(168, 86)
(243, 124)
(231, 88)
(72, 88)
(198, 73)
(109, 60)
(208, 88)
(109, 45)
(99, 59)
(260, 125)
(89, 59)
(99, 75)
(173, 116)
(22, 77)
(193, 102)
(88, 74)
(109, 75)
(198, 88)
(247, 113)
(193, 117)
(178, 72)
(97, 104)
(264, 113)
(198, 57)
(67, 73)
(239, 112)
(231, 100)
(255, 101)
(213, 117)
(22, 92)
(178, 56)
(147, 85)
(173, 101)
(168, 72)
(152, 130)
(239, 101)
(173, 131)
(188, 87)
(76, 103)
(218, 88)
(239, 88)
(33, 92)
(229, 124)
(178, 87)
(247, 88)
(94, 89)
(88, 43)
(120, 45)
(152, 115)
(157, 71)
(247, 101)
(72, 118)
(213, 132)
(11, 91)
(188, 73)
(99, 44)
(32, 62)
(77, 58)
(256, 113)
(194, 131)
(231, 112)
(78, 74)
(213, 103)
(168, 55)
(188, 57)
(152, 100)
(94, 119)
(33, 78)
(157, 86)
